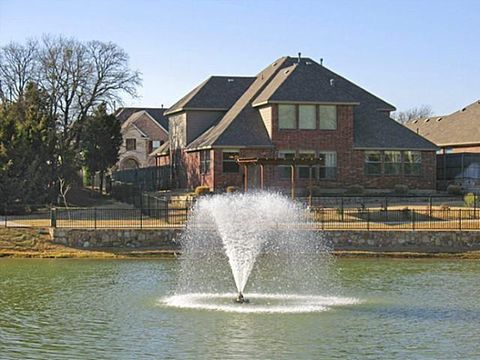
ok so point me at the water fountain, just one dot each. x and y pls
(264, 241)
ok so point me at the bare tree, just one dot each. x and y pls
(78, 76)
(404, 117)
(18, 67)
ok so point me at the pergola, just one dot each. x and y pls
(293, 163)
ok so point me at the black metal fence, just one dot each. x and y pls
(400, 219)
(366, 219)
(385, 201)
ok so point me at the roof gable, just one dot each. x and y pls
(252, 132)
(215, 93)
(305, 82)
(157, 114)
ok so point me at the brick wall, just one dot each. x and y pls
(427, 179)
(350, 162)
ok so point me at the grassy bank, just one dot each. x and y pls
(36, 243)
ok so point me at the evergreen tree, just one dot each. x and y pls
(101, 139)
(27, 149)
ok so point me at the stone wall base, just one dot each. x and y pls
(167, 239)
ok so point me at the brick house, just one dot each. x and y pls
(293, 109)
(143, 130)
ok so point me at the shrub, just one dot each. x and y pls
(231, 189)
(202, 190)
(355, 190)
(470, 199)
(453, 189)
(401, 189)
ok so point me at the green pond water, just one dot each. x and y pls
(87, 309)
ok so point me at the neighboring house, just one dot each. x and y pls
(458, 132)
(143, 130)
(295, 108)
(458, 137)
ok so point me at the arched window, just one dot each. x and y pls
(130, 164)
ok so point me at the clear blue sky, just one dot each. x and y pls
(408, 52)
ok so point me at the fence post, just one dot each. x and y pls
(323, 218)
(5, 215)
(342, 205)
(368, 219)
(53, 217)
(430, 207)
(166, 212)
(94, 218)
(460, 219)
(413, 219)
(474, 205)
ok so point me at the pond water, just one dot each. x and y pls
(118, 309)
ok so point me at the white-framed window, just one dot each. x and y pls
(229, 161)
(327, 169)
(392, 162)
(412, 163)
(304, 170)
(307, 117)
(204, 161)
(373, 162)
(328, 117)
(156, 144)
(287, 118)
(286, 170)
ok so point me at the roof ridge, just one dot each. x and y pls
(246, 98)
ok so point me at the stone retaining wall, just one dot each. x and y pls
(415, 241)
(118, 238)
(166, 239)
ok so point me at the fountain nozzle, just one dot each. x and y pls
(240, 299)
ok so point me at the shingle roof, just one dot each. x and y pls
(459, 128)
(376, 130)
(308, 81)
(304, 82)
(157, 114)
(217, 92)
(242, 124)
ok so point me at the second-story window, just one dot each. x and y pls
(307, 117)
(287, 118)
(328, 117)
(131, 144)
